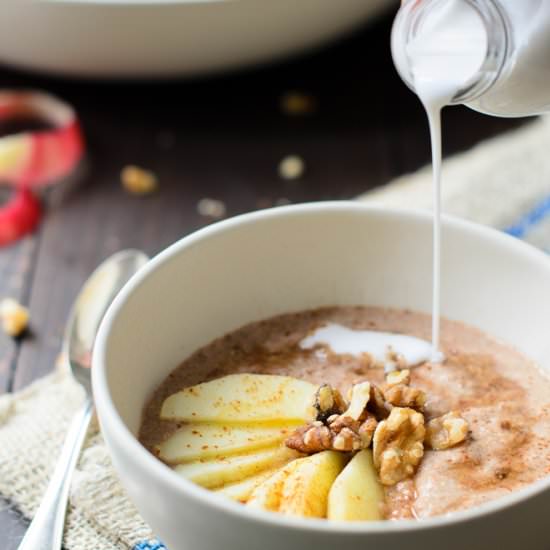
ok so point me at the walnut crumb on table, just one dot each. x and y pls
(14, 317)
(211, 208)
(291, 167)
(138, 181)
(295, 103)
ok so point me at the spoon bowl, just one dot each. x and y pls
(90, 306)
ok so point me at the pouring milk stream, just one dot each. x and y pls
(492, 55)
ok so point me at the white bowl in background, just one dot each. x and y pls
(292, 258)
(153, 38)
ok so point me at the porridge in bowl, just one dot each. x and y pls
(292, 415)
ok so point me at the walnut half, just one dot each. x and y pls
(398, 445)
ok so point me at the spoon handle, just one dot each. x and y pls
(46, 529)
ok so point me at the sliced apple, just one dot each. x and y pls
(267, 495)
(301, 488)
(230, 469)
(306, 489)
(242, 490)
(243, 398)
(202, 441)
(357, 495)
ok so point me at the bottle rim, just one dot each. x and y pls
(408, 21)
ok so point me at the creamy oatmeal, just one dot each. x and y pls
(502, 396)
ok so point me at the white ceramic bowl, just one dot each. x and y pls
(148, 38)
(292, 258)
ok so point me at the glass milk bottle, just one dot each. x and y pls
(513, 77)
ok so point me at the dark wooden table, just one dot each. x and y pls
(220, 138)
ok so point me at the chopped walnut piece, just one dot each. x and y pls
(394, 361)
(446, 431)
(378, 404)
(347, 440)
(359, 397)
(297, 103)
(366, 430)
(138, 181)
(327, 402)
(211, 208)
(313, 438)
(361, 432)
(398, 393)
(398, 445)
(398, 377)
(291, 167)
(318, 436)
(337, 423)
(14, 317)
(404, 396)
(324, 400)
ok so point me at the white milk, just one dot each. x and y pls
(447, 51)
(383, 347)
(493, 55)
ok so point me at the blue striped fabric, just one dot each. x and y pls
(153, 544)
(539, 212)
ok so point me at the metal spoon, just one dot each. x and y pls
(46, 529)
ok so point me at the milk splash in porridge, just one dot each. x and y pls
(385, 348)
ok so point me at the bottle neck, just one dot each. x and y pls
(408, 25)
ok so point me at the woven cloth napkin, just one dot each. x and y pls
(504, 182)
